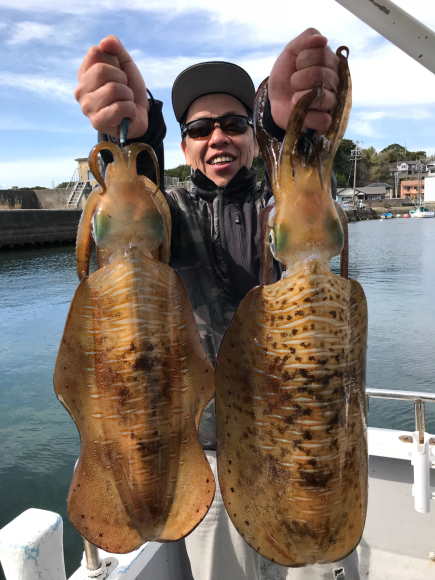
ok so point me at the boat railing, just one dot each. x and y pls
(417, 447)
(418, 398)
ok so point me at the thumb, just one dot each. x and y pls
(113, 45)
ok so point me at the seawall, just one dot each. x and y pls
(37, 226)
(33, 199)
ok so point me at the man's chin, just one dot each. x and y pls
(221, 174)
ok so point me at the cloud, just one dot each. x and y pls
(414, 114)
(162, 72)
(276, 24)
(364, 128)
(184, 32)
(375, 76)
(36, 171)
(378, 79)
(24, 32)
(45, 87)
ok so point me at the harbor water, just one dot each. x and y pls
(394, 261)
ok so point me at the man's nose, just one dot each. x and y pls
(218, 136)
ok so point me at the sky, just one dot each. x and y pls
(43, 42)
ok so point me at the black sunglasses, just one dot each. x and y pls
(231, 124)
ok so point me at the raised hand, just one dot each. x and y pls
(110, 88)
(305, 62)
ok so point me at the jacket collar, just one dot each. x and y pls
(242, 184)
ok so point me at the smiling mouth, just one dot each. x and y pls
(223, 160)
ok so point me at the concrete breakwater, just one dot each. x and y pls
(34, 199)
(37, 226)
(357, 215)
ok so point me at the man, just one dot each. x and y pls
(215, 228)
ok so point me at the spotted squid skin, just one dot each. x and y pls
(133, 374)
(291, 424)
(132, 371)
(290, 403)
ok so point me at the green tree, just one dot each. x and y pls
(62, 185)
(342, 162)
(29, 188)
(396, 152)
(341, 180)
(182, 172)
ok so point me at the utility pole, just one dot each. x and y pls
(356, 155)
(396, 184)
(419, 184)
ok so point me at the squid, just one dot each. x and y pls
(290, 378)
(132, 372)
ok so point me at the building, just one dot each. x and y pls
(83, 173)
(389, 189)
(409, 187)
(429, 195)
(373, 192)
(410, 167)
(81, 184)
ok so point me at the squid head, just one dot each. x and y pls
(125, 211)
(305, 224)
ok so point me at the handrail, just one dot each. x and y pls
(86, 185)
(401, 395)
(417, 397)
(73, 180)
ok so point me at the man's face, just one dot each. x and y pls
(203, 153)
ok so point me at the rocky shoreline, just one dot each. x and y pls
(375, 213)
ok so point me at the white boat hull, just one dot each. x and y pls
(423, 214)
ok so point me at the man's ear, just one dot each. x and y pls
(256, 148)
(186, 155)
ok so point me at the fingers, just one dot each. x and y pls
(107, 120)
(306, 62)
(318, 121)
(324, 103)
(314, 75)
(113, 46)
(96, 55)
(110, 88)
(96, 77)
(323, 57)
(310, 38)
(316, 118)
(104, 96)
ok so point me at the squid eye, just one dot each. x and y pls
(272, 241)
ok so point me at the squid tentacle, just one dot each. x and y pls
(85, 240)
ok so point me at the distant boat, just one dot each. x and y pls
(423, 212)
(387, 216)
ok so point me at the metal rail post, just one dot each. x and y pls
(93, 561)
(420, 422)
